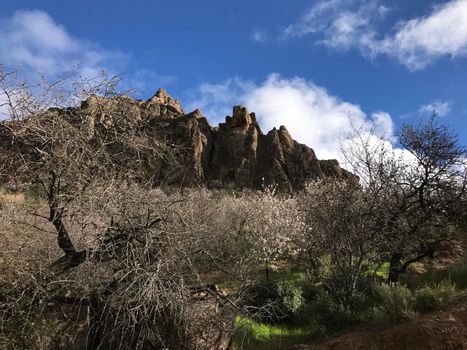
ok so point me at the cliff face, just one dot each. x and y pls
(245, 157)
(236, 154)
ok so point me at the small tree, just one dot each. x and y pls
(274, 224)
(342, 239)
(432, 194)
(141, 266)
(423, 187)
(65, 150)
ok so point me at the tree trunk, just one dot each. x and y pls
(63, 238)
(94, 338)
(267, 270)
(72, 257)
(394, 268)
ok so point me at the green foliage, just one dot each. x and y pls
(251, 334)
(426, 300)
(397, 302)
(394, 302)
(290, 296)
(308, 308)
(330, 314)
(457, 274)
(34, 193)
(283, 296)
(430, 298)
(381, 271)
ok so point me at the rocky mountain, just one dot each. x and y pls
(235, 154)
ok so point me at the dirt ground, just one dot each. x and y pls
(12, 198)
(441, 330)
(444, 330)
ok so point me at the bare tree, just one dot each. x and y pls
(342, 240)
(423, 187)
(432, 194)
(66, 150)
(142, 261)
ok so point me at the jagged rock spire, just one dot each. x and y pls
(162, 97)
(235, 154)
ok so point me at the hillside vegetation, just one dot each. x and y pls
(129, 224)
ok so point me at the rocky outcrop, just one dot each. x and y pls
(236, 154)
(245, 157)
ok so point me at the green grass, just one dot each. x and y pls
(416, 294)
(253, 335)
(380, 271)
(457, 274)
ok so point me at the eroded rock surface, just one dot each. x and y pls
(236, 154)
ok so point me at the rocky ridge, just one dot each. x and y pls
(236, 154)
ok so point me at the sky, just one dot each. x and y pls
(317, 67)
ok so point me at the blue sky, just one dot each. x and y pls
(310, 65)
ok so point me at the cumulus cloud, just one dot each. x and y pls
(440, 108)
(416, 43)
(339, 24)
(32, 40)
(383, 126)
(216, 99)
(311, 114)
(259, 36)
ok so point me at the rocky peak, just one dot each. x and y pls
(197, 114)
(162, 97)
(286, 140)
(236, 154)
(240, 118)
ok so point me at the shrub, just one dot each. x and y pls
(332, 316)
(446, 290)
(394, 302)
(457, 274)
(278, 300)
(290, 295)
(431, 298)
(426, 300)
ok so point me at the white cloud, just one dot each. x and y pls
(419, 41)
(440, 108)
(416, 43)
(216, 100)
(310, 113)
(383, 126)
(258, 35)
(339, 24)
(32, 40)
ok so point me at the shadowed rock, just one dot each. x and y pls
(236, 154)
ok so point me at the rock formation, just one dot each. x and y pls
(236, 154)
